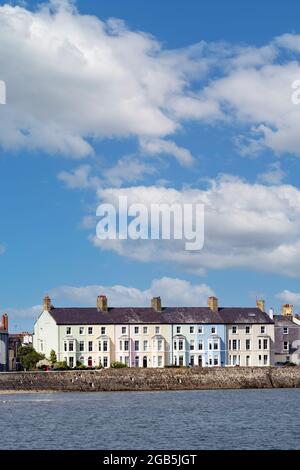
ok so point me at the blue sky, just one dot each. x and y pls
(214, 78)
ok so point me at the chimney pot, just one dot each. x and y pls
(213, 303)
(47, 303)
(102, 303)
(5, 322)
(260, 303)
(287, 310)
(156, 304)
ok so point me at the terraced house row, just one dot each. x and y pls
(157, 336)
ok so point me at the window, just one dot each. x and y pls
(285, 330)
(145, 330)
(262, 329)
(81, 330)
(192, 345)
(120, 345)
(200, 330)
(105, 346)
(178, 330)
(234, 345)
(90, 330)
(216, 361)
(234, 330)
(192, 330)
(127, 360)
(266, 344)
(69, 330)
(266, 359)
(259, 359)
(105, 361)
(90, 346)
(248, 362)
(103, 330)
(210, 361)
(126, 345)
(159, 345)
(200, 345)
(213, 330)
(145, 345)
(181, 360)
(100, 346)
(180, 345)
(248, 344)
(136, 345)
(192, 361)
(210, 345)
(259, 344)
(65, 346)
(160, 361)
(71, 361)
(71, 346)
(157, 330)
(136, 330)
(81, 346)
(248, 330)
(216, 345)
(124, 330)
(175, 345)
(286, 345)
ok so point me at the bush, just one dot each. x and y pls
(118, 365)
(62, 365)
(53, 358)
(29, 357)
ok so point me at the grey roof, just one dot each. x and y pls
(168, 315)
(281, 320)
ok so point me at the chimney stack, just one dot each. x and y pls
(260, 303)
(5, 322)
(271, 313)
(213, 303)
(102, 303)
(156, 304)
(47, 304)
(287, 310)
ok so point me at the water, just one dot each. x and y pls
(221, 419)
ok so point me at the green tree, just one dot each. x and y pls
(28, 357)
(53, 358)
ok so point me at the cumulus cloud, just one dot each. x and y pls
(75, 78)
(246, 226)
(288, 297)
(273, 175)
(173, 291)
(159, 146)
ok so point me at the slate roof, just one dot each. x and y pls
(281, 320)
(168, 315)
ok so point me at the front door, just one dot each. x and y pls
(200, 361)
(90, 362)
(144, 361)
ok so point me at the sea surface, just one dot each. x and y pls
(218, 419)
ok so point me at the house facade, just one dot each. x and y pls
(4, 344)
(156, 336)
(287, 337)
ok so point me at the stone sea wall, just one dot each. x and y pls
(152, 379)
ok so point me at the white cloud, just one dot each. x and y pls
(79, 178)
(23, 313)
(273, 175)
(75, 78)
(174, 292)
(246, 226)
(160, 146)
(289, 297)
